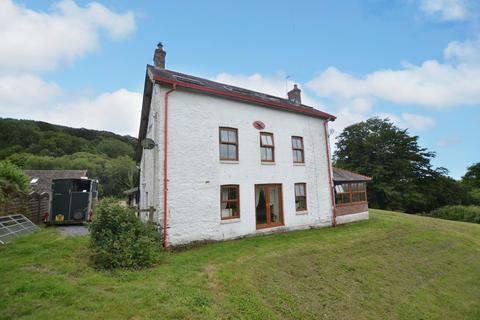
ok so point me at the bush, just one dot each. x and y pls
(12, 180)
(120, 240)
(459, 213)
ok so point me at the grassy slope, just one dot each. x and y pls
(394, 266)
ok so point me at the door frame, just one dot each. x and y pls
(267, 194)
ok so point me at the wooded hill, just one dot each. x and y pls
(41, 145)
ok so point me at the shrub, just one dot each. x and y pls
(12, 180)
(120, 240)
(459, 213)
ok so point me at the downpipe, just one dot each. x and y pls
(332, 196)
(165, 166)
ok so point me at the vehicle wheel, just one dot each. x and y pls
(78, 215)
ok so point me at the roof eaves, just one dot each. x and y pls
(142, 130)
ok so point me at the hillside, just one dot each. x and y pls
(41, 145)
(46, 139)
(394, 266)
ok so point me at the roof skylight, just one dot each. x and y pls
(189, 80)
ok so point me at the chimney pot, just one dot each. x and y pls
(295, 95)
(159, 56)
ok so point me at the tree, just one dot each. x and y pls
(12, 180)
(438, 190)
(403, 177)
(115, 148)
(120, 172)
(471, 181)
(472, 176)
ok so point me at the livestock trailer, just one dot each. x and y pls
(72, 200)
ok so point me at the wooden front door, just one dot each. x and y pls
(268, 205)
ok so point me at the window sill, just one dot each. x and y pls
(227, 221)
(300, 164)
(268, 163)
(301, 213)
(229, 161)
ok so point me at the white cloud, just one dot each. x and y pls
(411, 121)
(463, 52)
(360, 105)
(345, 117)
(417, 122)
(35, 41)
(446, 10)
(20, 92)
(275, 85)
(448, 141)
(117, 111)
(29, 97)
(392, 117)
(432, 84)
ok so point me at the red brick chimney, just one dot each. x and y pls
(159, 56)
(295, 95)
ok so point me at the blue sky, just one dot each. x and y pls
(82, 63)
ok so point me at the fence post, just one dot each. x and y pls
(39, 205)
(151, 211)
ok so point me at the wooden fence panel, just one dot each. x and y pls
(33, 206)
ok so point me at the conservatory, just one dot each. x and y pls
(350, 195)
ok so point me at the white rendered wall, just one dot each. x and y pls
(151, 165)
(196, 173)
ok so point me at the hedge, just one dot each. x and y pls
(458, 213)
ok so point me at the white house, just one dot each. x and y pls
(220, 162)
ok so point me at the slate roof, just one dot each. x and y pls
(233, 92)
(45, 177)
(342, 175)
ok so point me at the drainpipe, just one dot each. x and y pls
(332, 197)
(165, 166)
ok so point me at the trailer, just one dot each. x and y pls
(72, 201)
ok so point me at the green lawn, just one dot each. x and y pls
(394, 266)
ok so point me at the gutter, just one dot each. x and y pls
(165, 166)
(332, 195)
